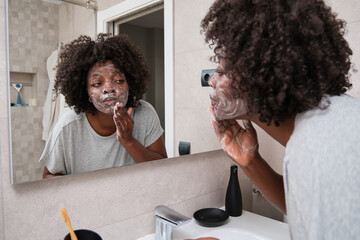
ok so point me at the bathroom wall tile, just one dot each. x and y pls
(347, 9)
(193, 125)
(353, 37)
(147, 221)
(75, 21)
(85, 22)
(5, 165)
(272, 151)
(2, 237)
(108, 3)
(94, 200)
(188, 90)
(4, 170)
(33, 36)
(26, 133)
(4, 136)
(187, 19)
(65, 25)
(262, 207)
(192, 119)
(123, 229)
(2, 228)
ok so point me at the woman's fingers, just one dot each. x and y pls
(123, 120)
(248, 126)
(129, 111)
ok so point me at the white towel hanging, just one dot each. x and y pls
(53, 110)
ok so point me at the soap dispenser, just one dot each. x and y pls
(233, 200)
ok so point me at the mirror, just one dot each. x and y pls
(37, 30)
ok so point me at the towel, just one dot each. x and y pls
(53, 110)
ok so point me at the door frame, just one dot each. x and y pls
(130, 7)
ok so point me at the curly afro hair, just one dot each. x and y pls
(285, 55)
(81, 54)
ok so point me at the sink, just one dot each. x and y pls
(248, 226)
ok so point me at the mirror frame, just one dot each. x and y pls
(7, 46)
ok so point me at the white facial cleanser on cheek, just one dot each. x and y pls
(226, 106)
(98, 98)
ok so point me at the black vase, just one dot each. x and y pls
(233, 200)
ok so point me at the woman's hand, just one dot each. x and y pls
(239, 143)
(124, 124)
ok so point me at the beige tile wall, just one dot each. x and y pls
(27, 145)
(32, 40)
(75, 21)
(192, 120)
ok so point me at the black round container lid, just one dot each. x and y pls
(211, 217)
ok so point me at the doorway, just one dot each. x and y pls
(129, 10)
(146, 31)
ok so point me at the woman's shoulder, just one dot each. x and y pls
(70, 118)
(145, 106)
(336, 114)
(145, 112)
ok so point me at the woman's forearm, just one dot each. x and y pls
(267, 181)
(141, 154)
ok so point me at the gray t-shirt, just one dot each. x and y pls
(322, 172)
(74, 146)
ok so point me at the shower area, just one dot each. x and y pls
(37, 31)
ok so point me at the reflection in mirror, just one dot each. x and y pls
(38, 30)
(109, 125)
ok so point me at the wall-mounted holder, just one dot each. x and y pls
(23, 88)
(206, 75)
(184, 148)
(18, 87)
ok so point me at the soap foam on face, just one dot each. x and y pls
(104, 98)
(121, 95)
(226, 106)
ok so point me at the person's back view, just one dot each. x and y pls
(284, 65)
(321, 172)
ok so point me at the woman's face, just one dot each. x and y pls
(107, 86)
(225, 105)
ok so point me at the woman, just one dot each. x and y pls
(283, 65)
(103, 82)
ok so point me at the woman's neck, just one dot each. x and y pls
(103, 124)
(281, 133)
